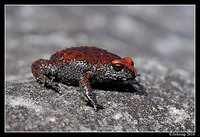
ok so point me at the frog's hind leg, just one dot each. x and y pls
(45, 72)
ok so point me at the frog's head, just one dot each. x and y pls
(123, 68)
(120, 69)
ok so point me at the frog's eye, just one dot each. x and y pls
(118, 66)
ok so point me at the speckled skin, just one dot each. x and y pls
(83, 65)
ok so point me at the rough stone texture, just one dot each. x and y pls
(160, 39)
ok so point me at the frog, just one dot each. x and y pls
(83, 66)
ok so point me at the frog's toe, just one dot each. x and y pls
(59, 91)
(56, 87)
(98, 106)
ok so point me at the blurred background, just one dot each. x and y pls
(164, 34)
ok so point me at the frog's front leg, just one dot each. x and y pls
(87, 90)
(45, 72)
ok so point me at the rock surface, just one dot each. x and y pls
(160, 39)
